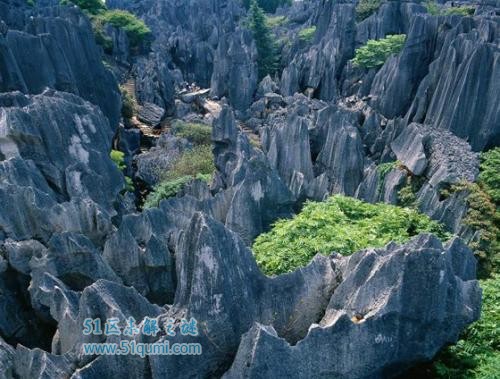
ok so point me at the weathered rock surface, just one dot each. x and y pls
(157, 160)
(73, 247)
(55, 48)
(367, 309)
(235, 69)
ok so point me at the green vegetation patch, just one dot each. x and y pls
(490, 173)
(432, 7)
(170, 188)
(267, 56)
(118, 158)
(477, 354)
(435, 9)
(459, 11)
(193, 164)
(275, 21)
(128, 104)
(136, 29)
(483, 214)
(375, 52)
(199, 134)
(339, 224)
(307, 34)
(366, 8)
(89, 6)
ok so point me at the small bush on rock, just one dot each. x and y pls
(90, 6)
(118, 158)
(136, 29)
(275, 21)
(199, 134)
(460, 11)
(193, 164)
(375, 52)
(169, 188)
(128, 105)
(340, 224)
(307, 34)
(366, 8)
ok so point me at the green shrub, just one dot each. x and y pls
(432, 8)
(89, 6)
(435, 9)
(375, 52)
(490, 173)
(199, 160)
(407, 196)
(340, 224)
(267, 57)
(477, 353)
(100, 36)
(199, 134)
(169, 188)
(31, 3)
(307, 34)
(192, 164)
(275, 21)
(383, 169)
(366, 8)
(119, 158)
(137, 31)
(128, 105)
(460, 11)
(483, 214)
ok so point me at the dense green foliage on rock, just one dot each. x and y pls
(435, 9)
(484, 211)
(199, 134)
(375, 52)
(118, 158)
(366, 8)
(128, 104)
(90, 6)
(266, 49)
(477, 354)
(137, 31)
(269, 6)
(340, 224)
(275, 21)
(170, 188)
(490, 173)
(460, 11)
(307, 34)
(197, 163)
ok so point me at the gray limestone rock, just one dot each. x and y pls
(367, 309)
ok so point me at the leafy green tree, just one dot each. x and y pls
(375, 52)
(266, 49)
(137, 31)
(366, 8)
(91, 6)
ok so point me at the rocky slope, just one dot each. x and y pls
(74, 245)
